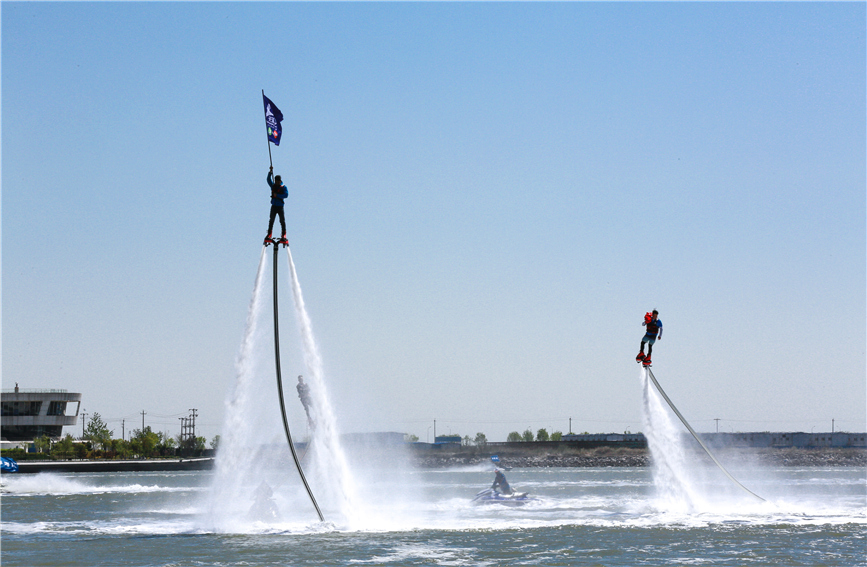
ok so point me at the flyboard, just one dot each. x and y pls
(276, 244)
(649, 373)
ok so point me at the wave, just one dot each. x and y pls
(49, 484)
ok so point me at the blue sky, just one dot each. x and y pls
(484, 200)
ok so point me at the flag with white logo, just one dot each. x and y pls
(273, 118)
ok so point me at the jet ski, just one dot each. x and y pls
(493, 496)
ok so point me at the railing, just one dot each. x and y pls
(31, 391)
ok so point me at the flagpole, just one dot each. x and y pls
(267, 139)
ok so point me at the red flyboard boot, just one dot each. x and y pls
(640, 357)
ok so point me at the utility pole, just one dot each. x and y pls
(717, 424)
(570, 426)
(123, 430)
(832, 425)
(435, 431)
(143, 412)
(83, 421)
(193, 414)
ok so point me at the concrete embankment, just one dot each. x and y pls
(100, 465)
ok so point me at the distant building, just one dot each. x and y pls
(590, 440)
(28, 414)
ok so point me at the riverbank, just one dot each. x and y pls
(630, 457)
(523, 457)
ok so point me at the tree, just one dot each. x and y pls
(542, 435)
(166, 444)
(481, 440)
(144, 443)
(43, 444)
(528, 435)
(557, 436)
(97, 432)
(514, 437)
(63, 448)
(466, 441)
(121, 448)
(215, 442)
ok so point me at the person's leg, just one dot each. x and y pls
(271, 219)
(282, 220)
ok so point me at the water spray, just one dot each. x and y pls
(649, 373)
(280, 392)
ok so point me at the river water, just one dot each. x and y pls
(580, 516)
(379, 509)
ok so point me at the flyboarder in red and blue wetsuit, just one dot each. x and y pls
(654, 328)
(278, 193)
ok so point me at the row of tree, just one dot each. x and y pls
(98, 442)
(527, 435)
(481, 439)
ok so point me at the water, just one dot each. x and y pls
(601, 516)
(254, 473)
(252, 509)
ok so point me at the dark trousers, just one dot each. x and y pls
(276, 210)
(644, 341)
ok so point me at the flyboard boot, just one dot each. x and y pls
(268, 240)
(646, 361)
(640, 357)
(283, 241)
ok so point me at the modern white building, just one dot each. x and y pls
(27, 414)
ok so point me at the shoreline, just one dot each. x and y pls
(630, 457)
(599, 457)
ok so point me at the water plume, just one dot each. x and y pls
(333, 482)
(234, 463)
(672, 473)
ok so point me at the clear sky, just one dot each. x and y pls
(484, 200)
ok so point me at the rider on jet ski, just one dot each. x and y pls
(500, 483)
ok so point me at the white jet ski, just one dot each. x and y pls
(492, 496)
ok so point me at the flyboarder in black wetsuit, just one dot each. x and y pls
(278, 193)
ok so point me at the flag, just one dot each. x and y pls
(273, 118)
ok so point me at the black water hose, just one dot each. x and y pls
(280, 392)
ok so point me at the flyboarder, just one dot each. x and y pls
(304, 396)
(278, 193)
(654, 327)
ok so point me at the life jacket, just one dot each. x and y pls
(652, 326)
